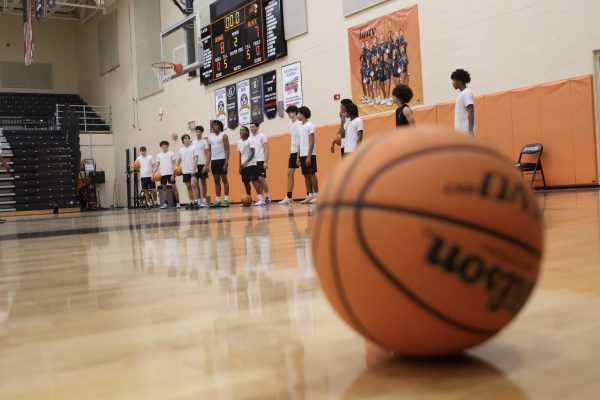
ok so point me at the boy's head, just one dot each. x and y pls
(254, 125)
(352, 111)
(292, 112)
(164, 145)
(460, 78)
(402, 94)
(216, 126)
(343, 104)
(199, 131)
(143, 151)
(244, 132)
(186, 140)
(304, 114)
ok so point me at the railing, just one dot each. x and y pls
(91, 118)
(42, 122)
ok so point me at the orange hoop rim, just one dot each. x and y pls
(164, 65)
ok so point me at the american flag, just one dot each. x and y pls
(27, 32)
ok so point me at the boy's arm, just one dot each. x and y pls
(207, 158)
(359, 137)
(471, 114)
(241, 164)
(156, 166)
(226, 145)
(266, 147)
(409, 115)
(311, 145)
(342, 131)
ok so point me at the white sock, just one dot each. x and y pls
(260, 196)
(218, 198)
(226, 198)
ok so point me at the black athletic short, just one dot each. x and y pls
(342, 151)
(187, 178)
(165, 180)
(260, 168)
(249, 174)
(292, 162)
(216, 167)
(148, 183)
(313, 165)
(199, 174)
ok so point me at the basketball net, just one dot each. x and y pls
(164, 71)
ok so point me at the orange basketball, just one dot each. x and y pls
(136, 165)
(246, 201)
(434, 246)
(156, 177)
(178, 171)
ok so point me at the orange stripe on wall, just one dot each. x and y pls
(560, 115)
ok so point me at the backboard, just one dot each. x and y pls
(180, 43)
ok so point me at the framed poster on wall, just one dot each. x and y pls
(292, 85)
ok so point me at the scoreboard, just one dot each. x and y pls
(243, 37)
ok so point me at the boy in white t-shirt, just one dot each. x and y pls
(218, 146)
(353, 130)
(262, 159)
(146, 162)
(165, 162)
(247, 159)
(307, 156)
(201, 155)
(464, 111)
(187, 162)
(294, 127)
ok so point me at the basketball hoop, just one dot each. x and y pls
(165, 70)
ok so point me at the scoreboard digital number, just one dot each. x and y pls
(242, 38)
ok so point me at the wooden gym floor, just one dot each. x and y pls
(224, 304)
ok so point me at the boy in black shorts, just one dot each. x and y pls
(218, 147)
(248, 169)
(294, 127)
(165, 163)
(201, 156)
(187, 161)
(146, 162)
(308, 155)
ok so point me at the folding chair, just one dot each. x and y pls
(532, 168)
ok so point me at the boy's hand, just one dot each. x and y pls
(333, 148)
(173, 179)
(225, 168)
(308, 161)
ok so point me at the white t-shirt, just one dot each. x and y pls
(187, 159)
(259, 140)
(200, 147)
(244, 147)
(217, 147)
(146, 167)
(343, 141)
(305, 132)
(166, 163)
(352, 129)
(461, 116)
(295, 128)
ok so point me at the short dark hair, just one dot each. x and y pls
(461, 75)
(218, 123)
(304, 111)
(143, 148)
(352, 109)
(184, 136)
(163, 142)
(403, 93)
(345, 102)
(291, 109)
(199, 128)
(255, 123)
(245, 127)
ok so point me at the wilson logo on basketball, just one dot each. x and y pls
(505, 290)
(499, 187)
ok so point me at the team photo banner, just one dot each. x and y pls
(385, 52)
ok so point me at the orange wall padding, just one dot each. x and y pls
(560, 115)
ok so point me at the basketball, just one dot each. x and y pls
(434, 247)
(178, 171)
(156, 177)
(136, 165)
(246, 201)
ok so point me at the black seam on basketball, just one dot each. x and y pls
(439, 217)
(357, 324)
(381, 267)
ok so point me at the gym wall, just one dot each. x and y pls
(505, 45)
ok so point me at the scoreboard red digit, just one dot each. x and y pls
(248, 35)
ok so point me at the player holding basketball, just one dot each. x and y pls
(404, 115)
(353, 129)
(165, 162)
(307, 157)
(262, 159)
(146, 162)
(218, 147)
(186, 161)
(294, 127)
(201, 155)
(248, 168)
(464, 114)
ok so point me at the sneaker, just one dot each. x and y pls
(216, 204)
(202, 205)
(259, 203)
(307, 200)
(164, 206)
(372, 102)
(267, 201)
(225, 204)
(286, 201)
(147, 208)
(313, 200)
(178, 205)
